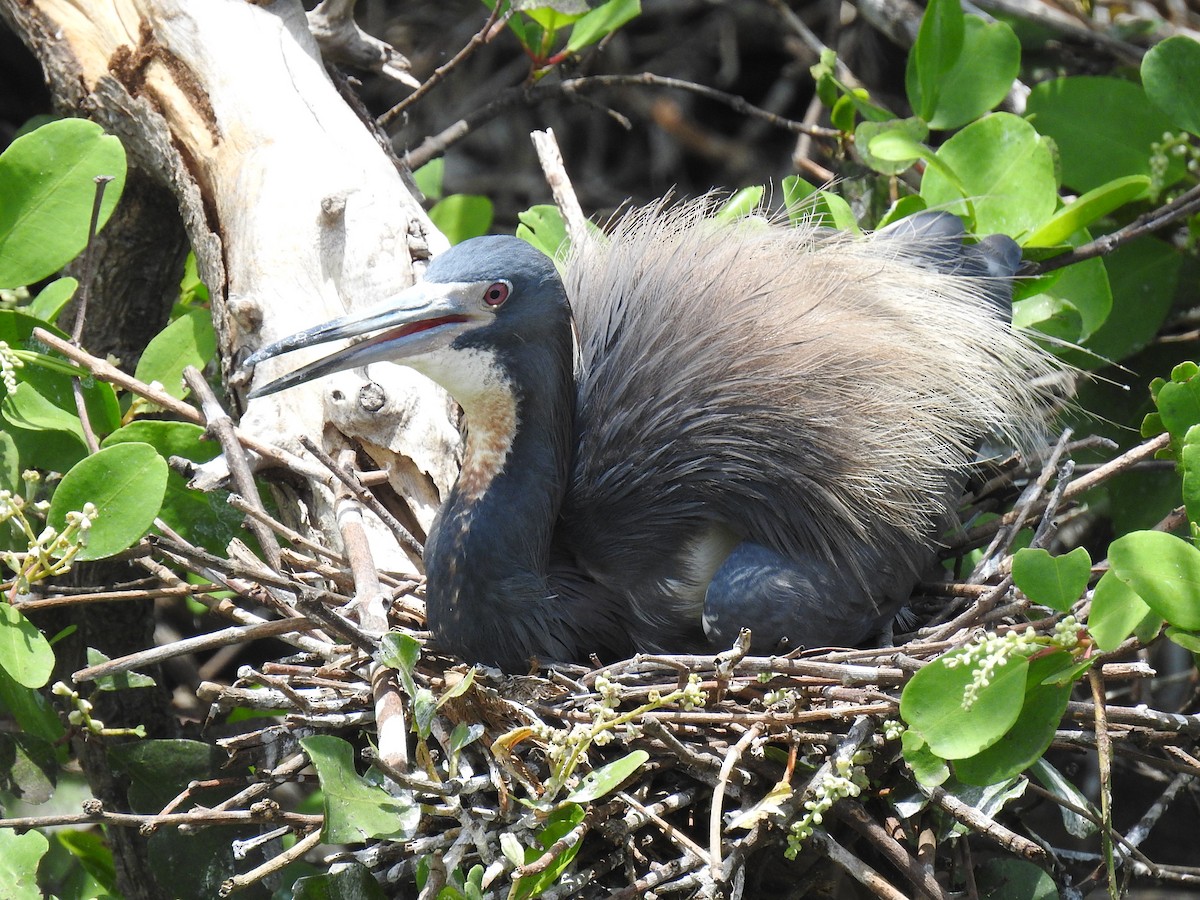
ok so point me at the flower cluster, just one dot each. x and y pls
(1172, 145)
(9, 363)
(49, 552)
(991, 651)
(847, 778)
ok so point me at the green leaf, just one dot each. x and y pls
(10, 464)
(1189, 460)
(458, 689)
(1005, 176)
(891, 147)
(1116, 612)
(1054, 317)
(937, 47)
(19, 858)
(1085, 210)
(24, 653)
(122, 681)
(1185, 639)
(742, 204)
(602, 21)
(1103, 127)
(543, 227)
(1164, 571)
(927, 767)
(1179, 406)
(462, 216)
(126, 484)
(1170, 73)
(27, 408)
(47, 182)
(558, 825)
(1053, 781)
(355, 810)
(94, 855)
(430, 176)
(28, 767)
(1054, 581)
(1030, 736)
(206, 519)
(464, 735)
(30, 709)
(607, 778)
(352, 881)
(188, 341)
(1143, 277)
(400, 652)
(1014, 879)
(52, 298)
(981, 76)
(932, 705)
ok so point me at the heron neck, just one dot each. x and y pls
(487, 595)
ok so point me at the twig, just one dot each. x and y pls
(920, 877)
(221, 426)
(856, 868)
(481, 37)
(110, 373)
(1183, 206)
(573, 88)
(236, 634)
(550, 157)
(95, 813)
(347, 477)
(1104, 765)
(714, 816)
(988, 828)
(271, 866)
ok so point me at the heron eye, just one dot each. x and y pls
(496, 294)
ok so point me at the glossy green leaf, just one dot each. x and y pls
(1014, 879)
(1085, 210)
(1143, 277)
(206, 519)
(28, 767)
(1171, 74)
(932, 705)
(1006, 171)
(1030, 736)
(429, 178)
(122, 681)
(1053, 781)
(24, 653)
(927, 767)
(981, 76)
(558, 825)
(10, 464)
(19, 858)
(30, 709)
(602, 21)
(902, 209)
(188, 341)
(47, 182)
(891, 147)
(27, 408)
(742, 204)
(1189, 462)
(52, 298)
(126, 484)
(1179, 406)
(400, 652)
(1164, 571)
(355, 810)
(462, 216)
(92, 851)
(1054, 581)
(464, 735)
(1054, 317)
(608, 777)
(351, 881)
(543, 227)
(1188, 640)
(1116, 612)
(1103, 127)
(937, 48)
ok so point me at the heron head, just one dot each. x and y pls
(479, 305)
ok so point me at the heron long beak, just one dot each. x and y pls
(425, 317)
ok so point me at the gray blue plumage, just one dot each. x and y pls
(764, 426)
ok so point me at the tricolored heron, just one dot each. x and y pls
(759, 426)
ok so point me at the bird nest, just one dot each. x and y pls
(668, 775)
